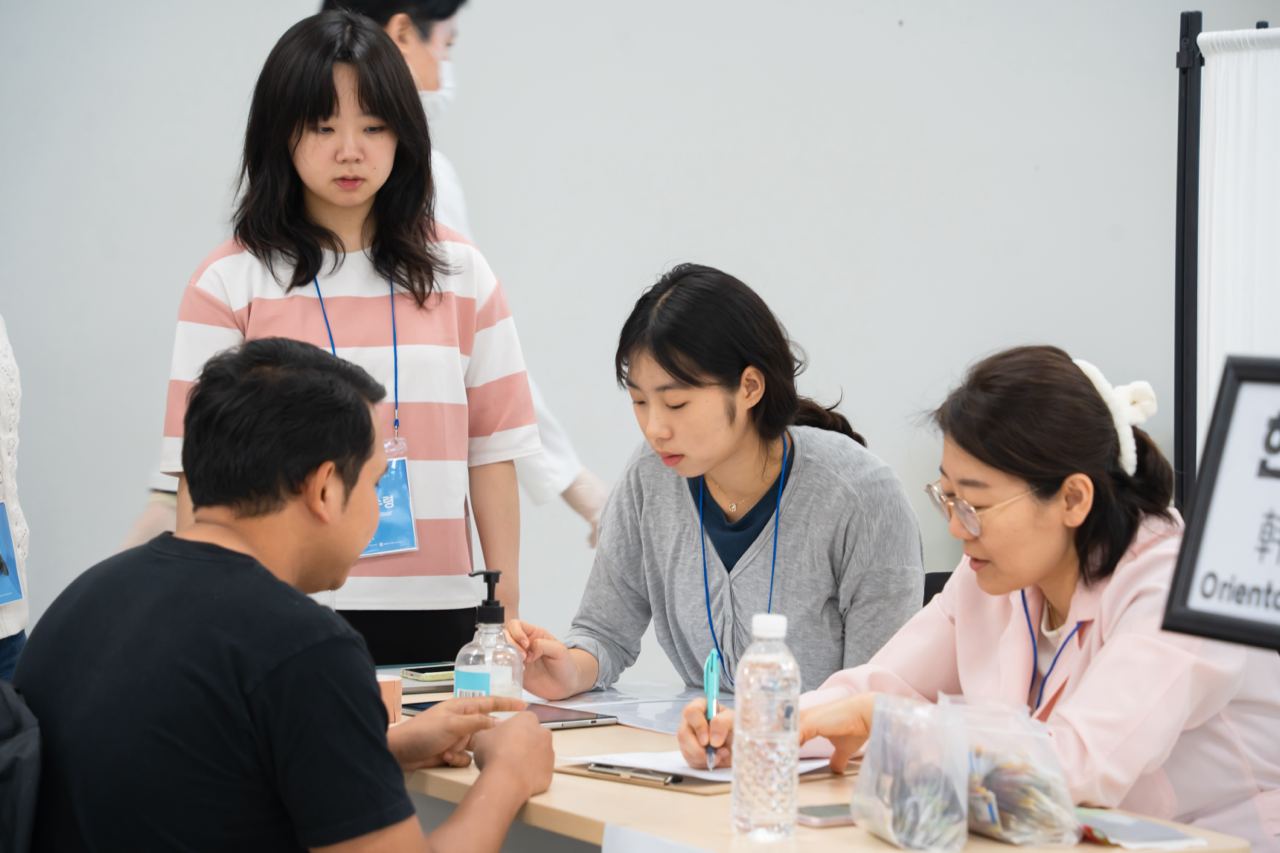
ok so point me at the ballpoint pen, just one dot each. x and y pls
(638, 773)
(711, 686)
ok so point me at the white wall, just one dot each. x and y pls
(909, 184)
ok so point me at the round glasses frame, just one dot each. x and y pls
(970, 519)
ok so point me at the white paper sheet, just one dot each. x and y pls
(642, 705)
(673, 762)
(623, 693)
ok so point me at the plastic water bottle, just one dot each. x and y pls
(766, 738)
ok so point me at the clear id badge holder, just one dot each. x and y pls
(396, 531)
(10, 586)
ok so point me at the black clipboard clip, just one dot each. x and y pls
(637, 773)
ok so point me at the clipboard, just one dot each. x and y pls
(646, 778)
(684, 785)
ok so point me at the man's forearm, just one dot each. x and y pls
(481, 820)
(400, 745)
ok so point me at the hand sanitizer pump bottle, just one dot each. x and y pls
(489, 665)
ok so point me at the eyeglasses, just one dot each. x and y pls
(970, 518)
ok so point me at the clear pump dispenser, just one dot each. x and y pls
(489, 665)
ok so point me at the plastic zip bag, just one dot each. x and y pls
(1017, 790)
(912, 788)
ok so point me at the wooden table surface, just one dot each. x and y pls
(580, 808)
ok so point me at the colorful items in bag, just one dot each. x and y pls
(912, 787)
(1017, 790)
(1012, 800)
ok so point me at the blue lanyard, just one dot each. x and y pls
(395, 354)
(773, 565)
(1035, 652)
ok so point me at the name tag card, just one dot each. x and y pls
(10, 586)
(1227, 582)
(397, 531)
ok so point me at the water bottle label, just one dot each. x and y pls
(470, 683)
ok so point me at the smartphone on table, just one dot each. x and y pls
(549, 716)
(830, 814)
(429, 672)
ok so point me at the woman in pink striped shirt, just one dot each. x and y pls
(335, 245)
(1061, 503)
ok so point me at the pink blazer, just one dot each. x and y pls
(1158, 723)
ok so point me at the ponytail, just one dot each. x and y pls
(705, 327)
(811, 413)
(1150, 489)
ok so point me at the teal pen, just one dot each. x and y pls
(711, 686)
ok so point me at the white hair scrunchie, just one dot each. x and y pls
(1129, 404)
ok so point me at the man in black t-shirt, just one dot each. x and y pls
(192, 697)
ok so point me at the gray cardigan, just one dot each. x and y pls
(849, 570)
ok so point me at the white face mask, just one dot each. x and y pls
(436, 102)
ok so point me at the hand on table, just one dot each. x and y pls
(519, 749)
(846, 723)
(442, 734)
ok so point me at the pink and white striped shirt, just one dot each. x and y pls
(464, 395)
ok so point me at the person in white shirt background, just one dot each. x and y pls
(13, 535)
(425, 31)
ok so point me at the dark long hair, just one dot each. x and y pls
(296, 90)
(1031, 412)
(704, 327)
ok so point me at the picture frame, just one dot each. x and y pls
(1226, 585)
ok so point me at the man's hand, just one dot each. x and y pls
(549, 669)
(696, 733)
(846, 723)
(518, 749)
(442, 734)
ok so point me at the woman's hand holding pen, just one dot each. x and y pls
(696, 734)
(846, 723)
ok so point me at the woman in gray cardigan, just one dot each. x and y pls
(745, 498)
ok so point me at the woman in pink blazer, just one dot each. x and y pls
(1069, 549)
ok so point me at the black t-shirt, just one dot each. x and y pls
(190, 700)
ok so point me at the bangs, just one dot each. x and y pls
(679, 365)
(303, 78)
(295, 92)
(662, 319)
(317, 93)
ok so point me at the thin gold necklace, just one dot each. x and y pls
(733, 505)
